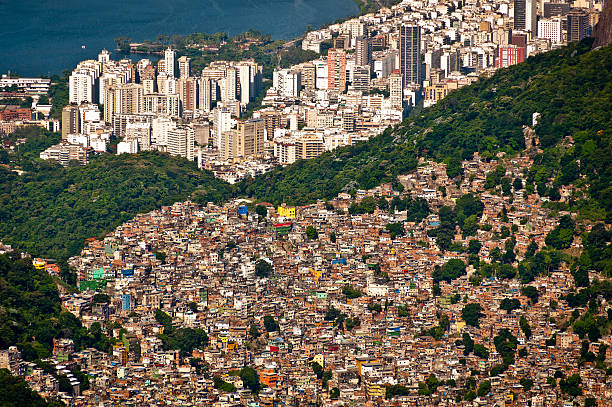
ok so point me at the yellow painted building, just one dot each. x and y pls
(286, 211)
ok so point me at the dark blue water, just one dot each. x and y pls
(46, 36)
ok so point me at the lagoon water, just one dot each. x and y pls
(42, 37)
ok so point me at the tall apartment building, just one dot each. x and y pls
(162, 104)
(363, 51)
(188, 93)
(556, 9)
(123, 99)
(308, 75)
(336, 70)
(169, 56)
(229, 146)
(396, 90)
(361, 78)
(309, 146)
(205, 98)
(251, 132)
(183, 64)
(140, 132)
(410, 53)
(550, 29)
(222, 122)
(287, 82)
(81, 88)
(160, 127)
(321, 73)
(181, 142)
(578, 26)
(228, 85)
(525, 17)
(272, 121)
(122, 121)
(250, 77)
(70, 120)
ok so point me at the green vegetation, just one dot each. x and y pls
(571, 385)
(250, 378)
(350, 292)
(509, 305)
(472, 313)
(453, 269)
(222, 385)
(183, 339)
(270, 324)
(15, 392)
(395, 229)
(312, 233)
(31, 315)
(505, 344)
(51, 210)
(396, 390)
(58, 91)
(263, 268)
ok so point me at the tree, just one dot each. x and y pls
(471, 313)
(484, 388)
(526, 383)
(312, 233)
(334, 393)
(395, 229)
(350, 292)
(571, 385)
(254, 331)
(530, 292)
(263, 268)
(367, 205)
(99, 298)
(531, 249)
(271, 324)
(317, 369)
(524, 324)
(164, 319)
(453, 269)
(470, 226)
(481, 351)
(474, 246)
(15, 392)
(517, 184)
(250, 378)
(509, 305)
(505, 344)
(468, 344)
(562, 236)
(261, 211)
(332, 237)
(220, 384)
(396, 390)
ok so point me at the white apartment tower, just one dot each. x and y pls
(183, 63)
(81, 86)
(181, 142)
(169, 55)
(222, 123)
(550, 29)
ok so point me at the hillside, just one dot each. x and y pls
(49, 211)
(570, 87)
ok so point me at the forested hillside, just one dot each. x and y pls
(50, 210)
(570, 87)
